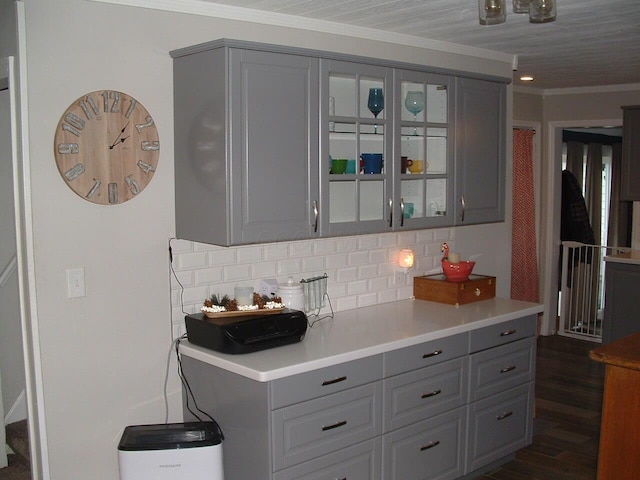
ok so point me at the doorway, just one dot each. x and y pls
(550, 222)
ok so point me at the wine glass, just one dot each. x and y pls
(375, 104)
(414, 102)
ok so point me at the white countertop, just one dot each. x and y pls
(362, 332)
(632, 257)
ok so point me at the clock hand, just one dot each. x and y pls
(118, 138)
(121, 140)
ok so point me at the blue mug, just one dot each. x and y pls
(372, 162)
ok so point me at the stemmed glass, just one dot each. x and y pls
(414, 102)
(375, 104)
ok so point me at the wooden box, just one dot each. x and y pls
(437, 288)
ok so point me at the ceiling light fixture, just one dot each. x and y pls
(526, 78)
(494, 12)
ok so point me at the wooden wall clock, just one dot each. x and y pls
(106, 147)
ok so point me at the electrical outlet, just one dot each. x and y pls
(268, 287)
(75, 283)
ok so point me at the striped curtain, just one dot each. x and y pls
(524, 259)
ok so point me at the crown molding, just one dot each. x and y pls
(544, 92)
(209, 9)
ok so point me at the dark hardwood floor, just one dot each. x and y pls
(567, 425)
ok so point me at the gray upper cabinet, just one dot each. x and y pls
(423, 149)
(276, 144)
(631, 153)
(355, 152)
(480, 151)
(246, 145)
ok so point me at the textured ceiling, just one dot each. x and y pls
(592, 42)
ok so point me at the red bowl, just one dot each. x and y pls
(457, 272)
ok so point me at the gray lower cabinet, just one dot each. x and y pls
(622, 302)
(440, 410)
(246, 145)
(480, 151)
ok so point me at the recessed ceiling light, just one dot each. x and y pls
(526, 78)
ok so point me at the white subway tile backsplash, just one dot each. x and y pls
(207, 276)
(276, 251)
(367, 271)
(290, 267)
(348, 274)
(264, 270)
(338, 260)
(357, 287)
(249, 254)
(361, 269)
(192, 260)
(358, 258)
(367, 299)
(237, 272)
(222, 256)
(302, 248)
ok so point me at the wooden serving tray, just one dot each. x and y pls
(436, 288)
(243, 313)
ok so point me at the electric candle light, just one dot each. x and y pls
(454, 257)
(405, 259)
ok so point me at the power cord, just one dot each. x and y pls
(176, 277)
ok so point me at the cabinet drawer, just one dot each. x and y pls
(425, 354)
(326, 424)
(324, 381)
(501, 333)
(429, 450)
(415, 396)
(499, 426)
(360, 462)
(501, 368)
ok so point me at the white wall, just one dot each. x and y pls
(104, 355)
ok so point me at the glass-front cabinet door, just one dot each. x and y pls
(355, 148)
(423, 147)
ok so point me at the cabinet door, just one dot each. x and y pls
(622, 282)
(423, 150)
(480, 151)
(631, 153)
(274, 122)
(355, 150)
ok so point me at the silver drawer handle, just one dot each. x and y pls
(508, 369)
(429, 445)
(508, 332)
(432, 354)
(504, 415)
(335, 380)
(432, 394)
(335, 425)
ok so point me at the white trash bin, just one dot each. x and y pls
(173, 451)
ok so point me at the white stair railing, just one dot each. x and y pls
(582, 289)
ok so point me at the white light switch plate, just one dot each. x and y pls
(75, 283)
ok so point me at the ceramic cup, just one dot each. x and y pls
(416, 166)
(405, 162)
(408, 210)
(351, 166)
(372, 162)
(338, 165)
